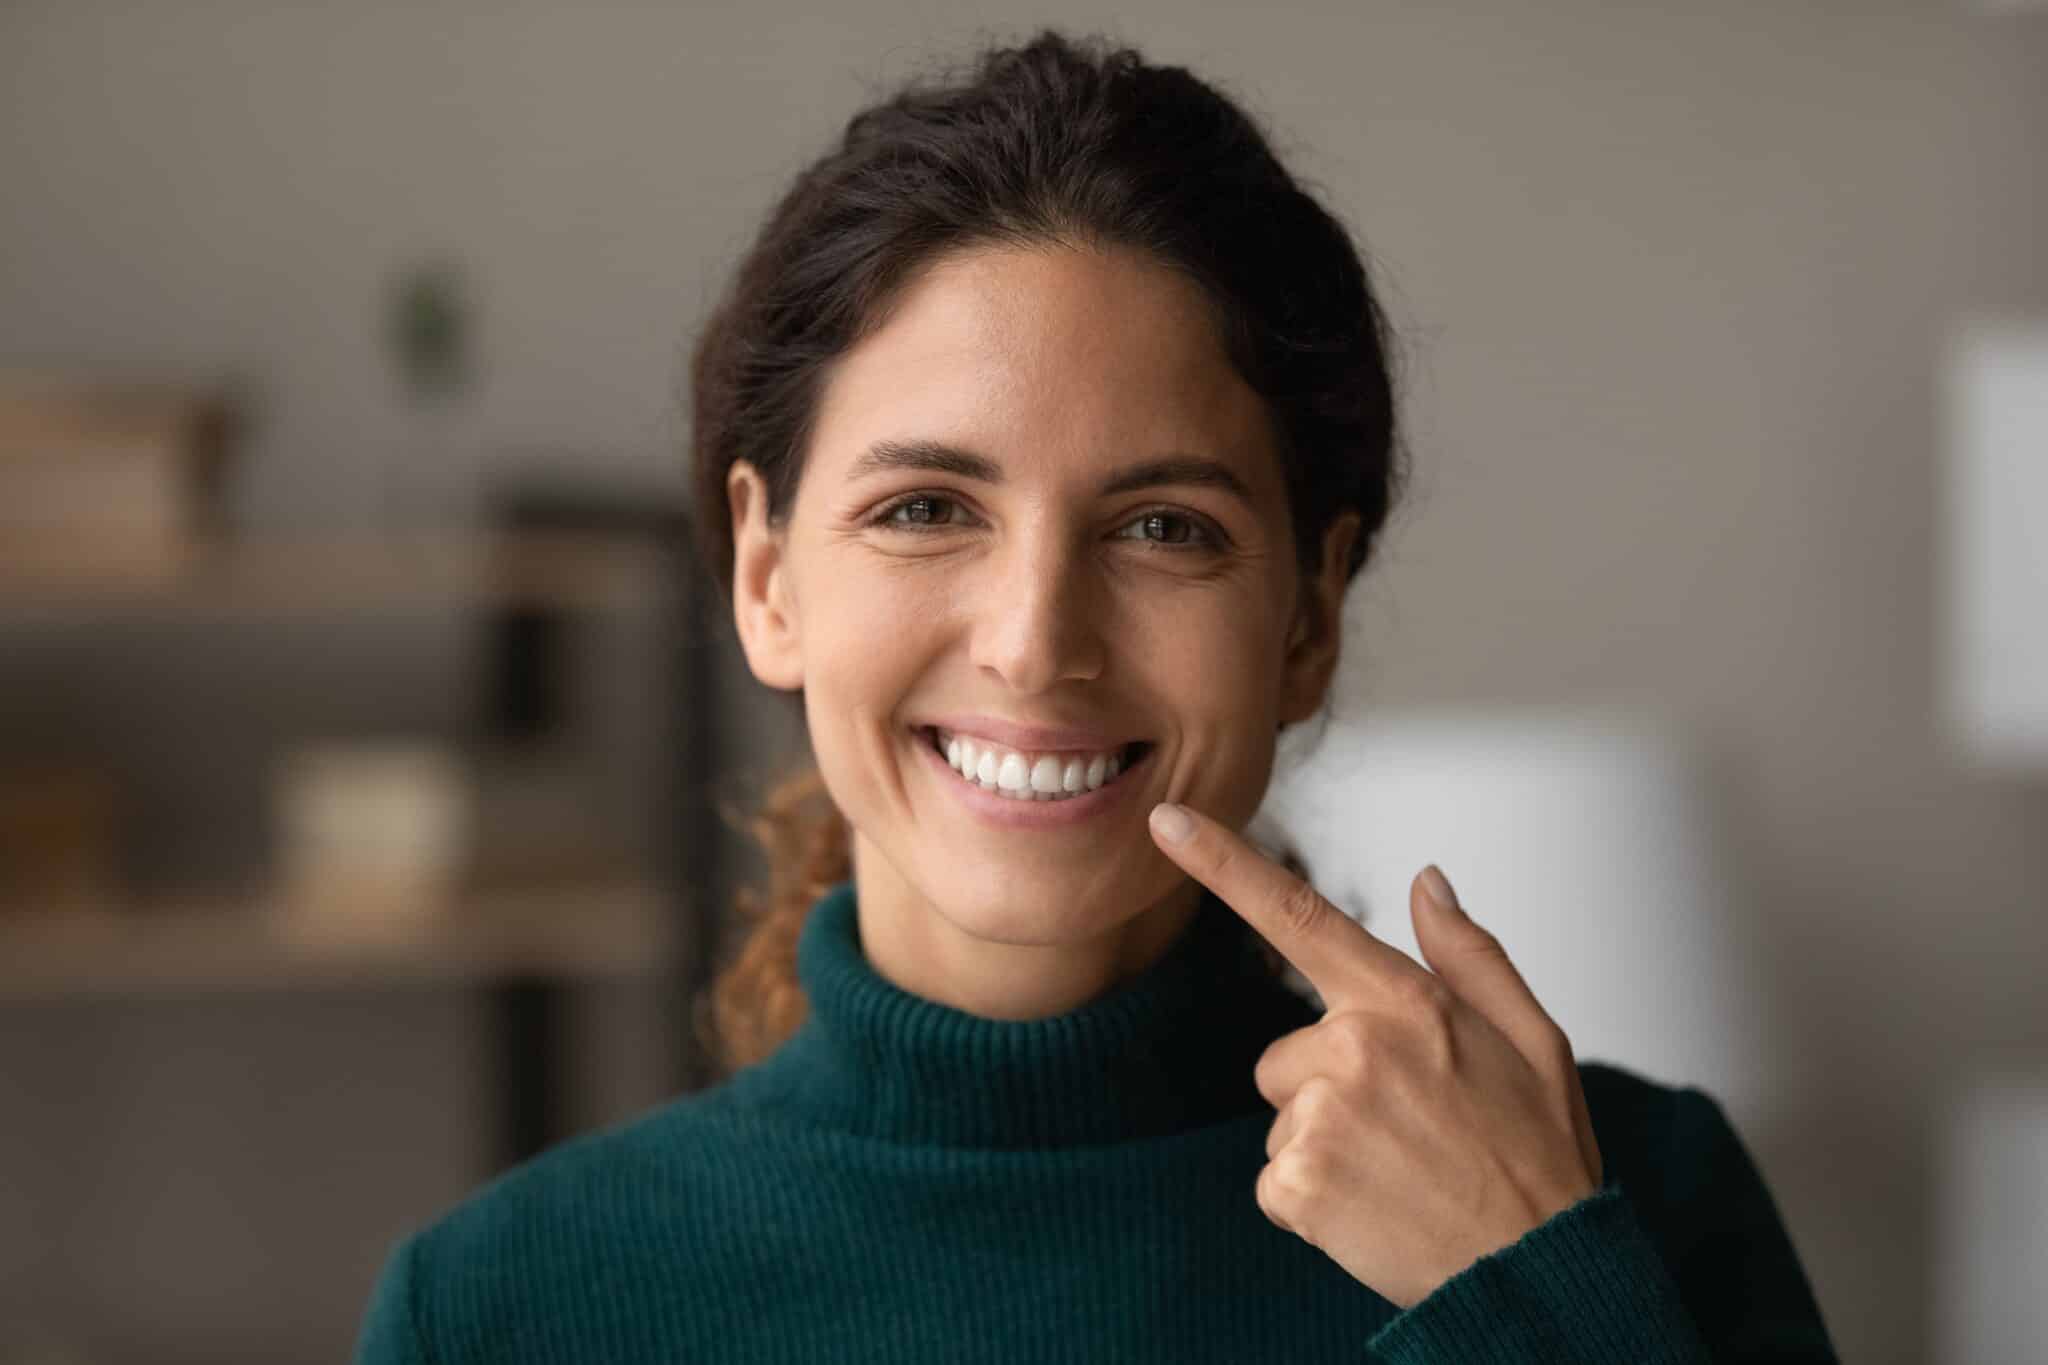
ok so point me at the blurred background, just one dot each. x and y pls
(363, 725)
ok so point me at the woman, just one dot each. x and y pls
(1038, 438)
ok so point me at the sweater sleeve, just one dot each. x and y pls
(1591, 1285)
(390, 1334)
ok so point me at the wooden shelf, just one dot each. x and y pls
(189, 946)
(335, 574)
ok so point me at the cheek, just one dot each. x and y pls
(1216, 660)
(1215, 669)
(856, 614)
(866, 641)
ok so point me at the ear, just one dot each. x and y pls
(1318, 629)
(763, 608)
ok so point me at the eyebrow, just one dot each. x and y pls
(1197, 470)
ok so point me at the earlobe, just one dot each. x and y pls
(763, 608)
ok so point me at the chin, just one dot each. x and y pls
(1042, 912)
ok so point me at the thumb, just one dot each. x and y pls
(1473, 964)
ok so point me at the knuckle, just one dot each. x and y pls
(1489, 952)
(1290, 1184)
(1424, 996)
(1273, 1199)
(1440, 1036)
(1479, 940)
(1302, 909)
(1312, 1102)
(1433, 1024)
(1263, 1079)
(1558, 1050)
(1351, 1038)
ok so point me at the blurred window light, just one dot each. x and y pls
(1991, 1247)
(1993, 548)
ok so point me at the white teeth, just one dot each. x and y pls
(1048, 777)
(1013, 775)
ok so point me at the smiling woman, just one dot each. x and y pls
(1099, 575)
(1036, 442)
(1055, 381)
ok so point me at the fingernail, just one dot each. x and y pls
(1439, 889)
(1171, 822)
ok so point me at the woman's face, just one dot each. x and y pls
(1040, 515)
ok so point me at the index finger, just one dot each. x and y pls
(1340, 958)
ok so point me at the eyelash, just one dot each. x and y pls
(1209, 537)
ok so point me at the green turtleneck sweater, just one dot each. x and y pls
(903, 1181)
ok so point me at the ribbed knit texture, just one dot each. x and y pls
(902, 1181)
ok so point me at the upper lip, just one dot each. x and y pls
(1028, 738)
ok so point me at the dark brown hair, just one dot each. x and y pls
(1057, 142)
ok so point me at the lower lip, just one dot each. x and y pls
(1007, 813)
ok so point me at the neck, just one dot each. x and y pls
(917, 947)
(1169, 1050)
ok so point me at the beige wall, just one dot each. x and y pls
(1674, 278)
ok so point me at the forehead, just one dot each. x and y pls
(1048, 360)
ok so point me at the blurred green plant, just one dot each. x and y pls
(428, 328)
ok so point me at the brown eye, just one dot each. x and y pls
(1166, 528)
(1170, 530)
(918, 511)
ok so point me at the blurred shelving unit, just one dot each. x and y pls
(185, 945)
(525, 947)
(329, 575)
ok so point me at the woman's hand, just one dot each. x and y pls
(1427, 1118)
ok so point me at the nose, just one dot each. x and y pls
(1038, 615)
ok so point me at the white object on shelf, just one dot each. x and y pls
(1992, 670)
(1590, 842)
(373, 838)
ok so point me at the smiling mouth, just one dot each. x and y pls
(1121, 762)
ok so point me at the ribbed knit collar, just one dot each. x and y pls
(1169, 1049)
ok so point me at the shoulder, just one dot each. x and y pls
(1674, 1151)
(598, 1177)
(1697, 1191)
(1627, 1103)
(1648, 1118)
(1649, 1131)
(591, 1210)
